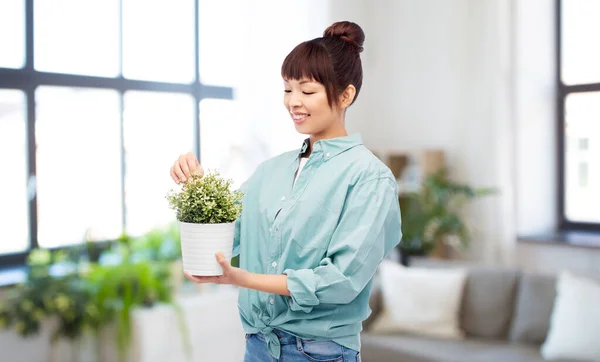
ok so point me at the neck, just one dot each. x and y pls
(336, 130)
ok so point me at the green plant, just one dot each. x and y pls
(206, 200)
(118, 289)
(62, 295)
(86, 297)
(139, 276)
(158, 244)
(433, 214)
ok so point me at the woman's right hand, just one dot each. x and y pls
(184, 167)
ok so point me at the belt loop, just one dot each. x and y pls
(299, 343)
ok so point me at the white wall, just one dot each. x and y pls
(535, 95)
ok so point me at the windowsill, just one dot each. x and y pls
(17, 274)
(12, 275)
(577, 239)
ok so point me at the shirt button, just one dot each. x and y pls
(327, 154)
(282, 198)
(274, 264)
(272, 301)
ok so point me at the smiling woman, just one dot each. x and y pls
(316, 221)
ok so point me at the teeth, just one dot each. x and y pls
(299, 116)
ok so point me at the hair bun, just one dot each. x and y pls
(347, 31)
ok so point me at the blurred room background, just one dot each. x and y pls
(98, 98)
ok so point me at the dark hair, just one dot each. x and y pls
(332, 60)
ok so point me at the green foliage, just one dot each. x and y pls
(118, 289)
(65, 296)
(88, 287)
(159, 244)
(434, 212)
(206, 200)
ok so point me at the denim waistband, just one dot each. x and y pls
(284, 337)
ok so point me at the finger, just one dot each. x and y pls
(174, 175)
(178, 172)
(200, 279)
(222, 261)
(199, 169)
(193, 164)
(184, 166)
(190, 277)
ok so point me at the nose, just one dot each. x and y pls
(294, 101)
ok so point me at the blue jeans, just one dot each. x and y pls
(294, 349)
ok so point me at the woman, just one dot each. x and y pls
(316, 221)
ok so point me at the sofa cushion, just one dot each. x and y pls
(533, 308)
(405, 348)
(488, 302)
(575, 323)
(422, 301)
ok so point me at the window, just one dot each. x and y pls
(578, 55)
(158, 40)
(12, 33)
(78, 166)
(157, 128)
(92, 49)
(91, 120)
(13, 162)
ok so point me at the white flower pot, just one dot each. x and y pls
(200, 243)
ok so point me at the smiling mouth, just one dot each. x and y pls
(299, 117)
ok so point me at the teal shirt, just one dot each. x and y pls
(328, 233)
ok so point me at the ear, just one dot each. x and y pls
(347, 96)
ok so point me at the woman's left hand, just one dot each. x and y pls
(231, 275)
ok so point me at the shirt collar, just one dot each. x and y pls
(333, 146)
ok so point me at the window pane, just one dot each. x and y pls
(13, 159)
(582, 157)
(158, 127)
(158, 40)
(78, 37)
(78, 165)
(12, 34)
(222, 139)
(222, 45)
(580, 46)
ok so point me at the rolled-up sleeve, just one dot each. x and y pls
(368, 229)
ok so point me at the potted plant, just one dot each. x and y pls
(206, 209)
(431, 216)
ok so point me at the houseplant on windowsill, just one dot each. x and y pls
(54, 295)
(88, 302)
(206, 209)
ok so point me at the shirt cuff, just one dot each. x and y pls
(302, 287)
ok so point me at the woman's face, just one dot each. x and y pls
(306, 101)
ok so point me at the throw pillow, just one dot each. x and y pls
(533, 308)
(420, 301)
(575, 321)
